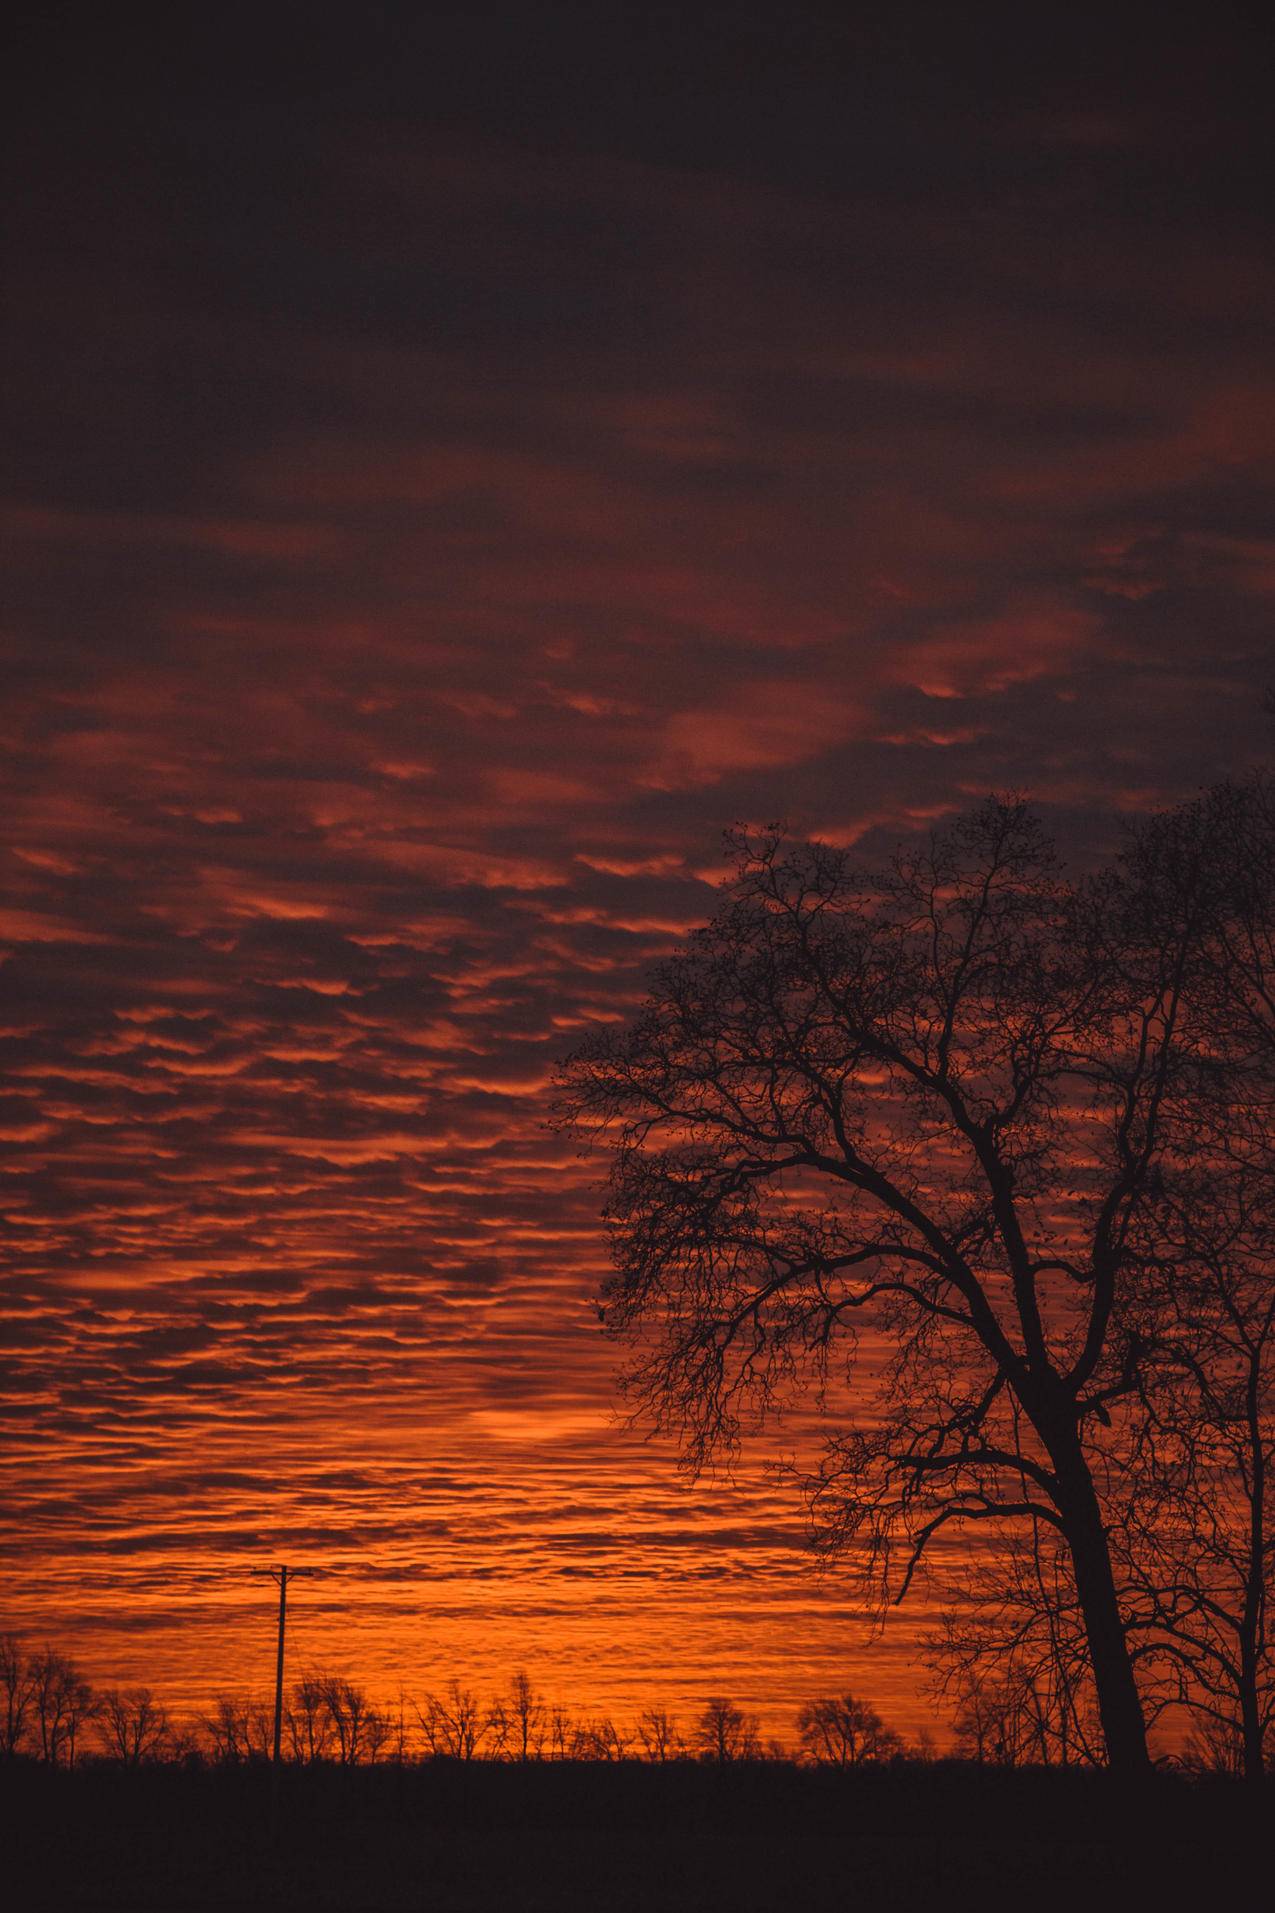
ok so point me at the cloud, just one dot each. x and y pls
(762, 725)
(979, 657)
(420, 548)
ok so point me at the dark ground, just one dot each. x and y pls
(450, 1839)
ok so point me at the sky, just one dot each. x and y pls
(456, 464)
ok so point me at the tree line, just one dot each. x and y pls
(976, 1158)
(53, 1714)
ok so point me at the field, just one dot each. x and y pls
(447, 1838)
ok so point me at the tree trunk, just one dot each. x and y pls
(1124, 1725)
(1251, 1717)
(1255, 1581)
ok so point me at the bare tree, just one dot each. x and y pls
(378, 1733)
(1215, 1746)
(260, 1727)
(238, 1730)
(456, 1725)
(602, 1739)
(496, 1729)
(15, 1672)
(1015, 1704)
(308, 1722)
(358, 1727)
(1200, 1543)
(398, 1729)
(724, 1732)
(843, 1731)
(562, 1734)
(989, 1725)
(225, 1730)
(62, 1701)
(185, 1745)
(132, 1725)
(929, 1100)
(1014, 1652)
(657, 1731)
(527, 1718)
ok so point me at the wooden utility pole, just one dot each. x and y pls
(279, 1575)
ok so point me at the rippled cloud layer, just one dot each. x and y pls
(425, 535)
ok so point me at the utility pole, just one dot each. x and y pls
(279, 1575)
(282, 1577)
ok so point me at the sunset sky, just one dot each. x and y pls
(457, 462)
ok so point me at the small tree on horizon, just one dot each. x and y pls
(456, 1724)
(527, 1718)
(308, 1722)
(725, 1733)
(658, 1733)
(841, 1730)
(62, 1702)
(16, 1677)
(133, 1726)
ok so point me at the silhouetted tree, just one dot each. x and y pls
(238, 1730)
(929, 1100)
(456, 1725)
(398, 1729)
(989, 1724)
(526, 1713)
(225, 1729)
(132, 1725)
(559, 1733)
(1016, 1647)
(599, 1739)
(724, 1732)
(15, 1674)
(1215, 1746)
(378, 1734)
(260, 1727)
(496, 1726)
(843, 1731)
(359, 1730)
(1200, 1542)
(62, 1701)
(657, 1731)
(308, 1722)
